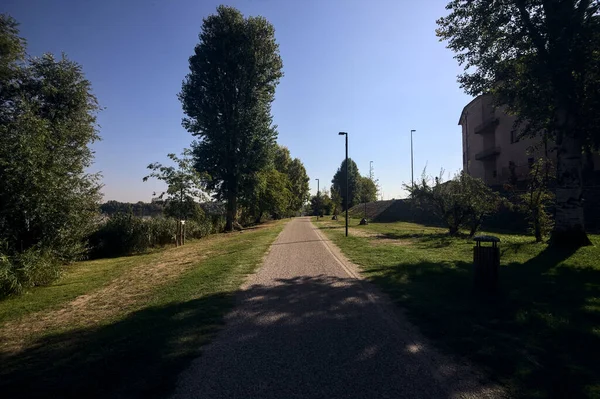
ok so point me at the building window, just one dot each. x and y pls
(530, 162)
(495, 174)
(464, 158)
(513, 136)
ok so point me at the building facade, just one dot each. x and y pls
(492, 151)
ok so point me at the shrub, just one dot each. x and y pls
(120, 235)
(30, 268)
(127, 234)
(463, 202)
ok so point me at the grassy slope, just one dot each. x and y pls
(540, 335)
(78, 279)
(137, 353)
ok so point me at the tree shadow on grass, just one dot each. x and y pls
(422, 240)
(540, 333)
(139, 356)
(304, 335)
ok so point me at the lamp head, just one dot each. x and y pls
(412, 130)
(343, 133)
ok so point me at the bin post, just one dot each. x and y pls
(486, 264)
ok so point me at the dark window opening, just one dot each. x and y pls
(495, 173)
(530, 162)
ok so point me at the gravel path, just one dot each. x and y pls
(307, 326)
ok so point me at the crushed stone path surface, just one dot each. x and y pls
(307, 326)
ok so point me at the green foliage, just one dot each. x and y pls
(299, 188)
(464, 201)
(227, 100)
(139, 208)
(479, 201)
(321, 205)
(125, 234)
(47, 122)
(540, 59)
(339, 184)
(538, 197)
(30, 268)
(183, 186)
(278, 190)
(336, 201)
(367, 190)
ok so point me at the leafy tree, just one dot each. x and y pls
(339, 183)
(299, 188)
(183, 186)
(538, 197)
(367, 189)
(282, 159)
(336, 200)
(443, 199)
(47, 122)
(478, 199)
(227, 100)
(279, 189)
(321, 205)
(540, 58)
(463, 201)
(275, 197)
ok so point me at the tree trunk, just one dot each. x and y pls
(259, 217)
(452, 230)
(231, 210)
(474, 228)
(569, 227)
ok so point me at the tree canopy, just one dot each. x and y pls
(539, 58)
(280, 189)
(47, 123)
(367, 189)
(227, 98)
(463, 201)
(339, 184)
(183, 186)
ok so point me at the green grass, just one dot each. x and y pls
(539, 335)
(138, 354)
(78, 279)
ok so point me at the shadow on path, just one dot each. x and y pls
(296, 339)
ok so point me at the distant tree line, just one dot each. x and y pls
(111, 208)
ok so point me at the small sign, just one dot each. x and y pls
(183, 222)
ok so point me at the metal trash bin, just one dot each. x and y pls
(486, 264)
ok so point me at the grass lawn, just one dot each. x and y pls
(124, 327)
(539, 336)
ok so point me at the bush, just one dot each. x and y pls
(30, 268)
(120, 235)
(463, 202)
(126, 234)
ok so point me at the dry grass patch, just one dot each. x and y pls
(124, 294)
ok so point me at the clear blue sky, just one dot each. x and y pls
(372, 68)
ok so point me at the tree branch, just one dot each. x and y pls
(537, 38)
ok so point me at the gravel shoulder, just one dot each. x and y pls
(307, 326)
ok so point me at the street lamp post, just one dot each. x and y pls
(347, 194)
(412, 177)
(318, 200)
